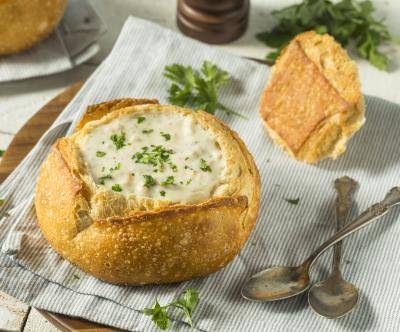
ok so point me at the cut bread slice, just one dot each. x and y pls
(313, 103)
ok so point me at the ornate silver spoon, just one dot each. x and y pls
(281, 282)
(335, 297)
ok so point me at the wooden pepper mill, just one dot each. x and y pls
(213, 21)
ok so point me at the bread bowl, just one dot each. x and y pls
(24, 23)
(313, 103)
(148, 194)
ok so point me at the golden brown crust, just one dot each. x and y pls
(313, 103)
(97, 111)
(158, 245)
(24, 23)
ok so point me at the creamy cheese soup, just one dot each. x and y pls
(159, 154)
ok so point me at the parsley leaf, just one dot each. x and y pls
(293, 201)
(116, 167)
(155, 155)
(345, 20)
(2, 153)
(204, 166)
(105, 177)
(2, 201)
(140, 119)
(149, 181)
(147, 131)
(162, 193)
(119, 140)
(116, 187)
(187, 303)
(197, 89)
(159, 315)
(100, 154)
(166, 136)
(169, 180)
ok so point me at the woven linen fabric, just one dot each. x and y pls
(285, 234)
(73, 42)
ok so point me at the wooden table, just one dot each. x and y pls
(20, 100)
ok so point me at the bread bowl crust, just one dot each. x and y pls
(313, 103)
(161, 244)
(24, 23)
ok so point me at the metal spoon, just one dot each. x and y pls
(335, 297)
(281, 282)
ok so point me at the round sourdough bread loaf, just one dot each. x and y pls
(24, 23)
(144, 194)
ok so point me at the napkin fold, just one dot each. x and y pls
(72, 43)
(285, 234)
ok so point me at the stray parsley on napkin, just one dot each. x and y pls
(187, 303)
(346, 20)
(197, 89)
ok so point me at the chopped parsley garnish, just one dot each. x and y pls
(116, 187)
(2, 153)
(149, 181)
(186, 303)
(155, 155)
(187, 158)
(187, 167)
(100, 154)
(173, 166)
(204, 166)
(147, 131)
(162, 193)
(169, 180)
(119, 140)
(166, 136)
(188, 182)
(293, 201)
(140, 119)
(2, 201)
(116, 167)
(105, 177)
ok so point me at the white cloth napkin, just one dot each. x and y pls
(73, 42)
(285, 234)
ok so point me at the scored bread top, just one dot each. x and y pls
(313, 102)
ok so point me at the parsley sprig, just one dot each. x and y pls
(197, 89)
(346, 20)
(186, 303)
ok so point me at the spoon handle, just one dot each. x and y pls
(373, 213)
(345, 188)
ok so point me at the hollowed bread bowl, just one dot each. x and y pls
(144, 193)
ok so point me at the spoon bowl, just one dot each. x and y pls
(333, 297)
(276, 283)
